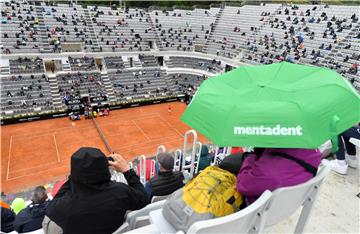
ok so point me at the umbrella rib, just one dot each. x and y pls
(277, 72)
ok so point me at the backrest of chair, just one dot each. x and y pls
(131, 217)
(243, 221)
(285, 201)
(158, 198)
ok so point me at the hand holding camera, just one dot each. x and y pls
(118, 163)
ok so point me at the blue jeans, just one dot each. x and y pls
(148, 190)
(353, 132)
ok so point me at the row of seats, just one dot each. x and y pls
(213, 66)
(21, 94)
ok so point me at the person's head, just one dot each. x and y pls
(89, 166)
(39, 195)
(166, 161)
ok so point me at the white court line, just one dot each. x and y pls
(8, 166)
(56, 146)
(142, 131)
(167, 123)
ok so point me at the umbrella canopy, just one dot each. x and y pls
(281, 105)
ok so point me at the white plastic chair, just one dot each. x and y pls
(160, 149)
(247, 220)
(152, 168)
(142, 166)
(139, 218)
(186, 155)
(158, 198)
(177, 160)
(243, 221)
(285, 201)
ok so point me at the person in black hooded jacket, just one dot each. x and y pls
(30, 218)
(89, 202)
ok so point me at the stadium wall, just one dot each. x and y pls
(135, 103)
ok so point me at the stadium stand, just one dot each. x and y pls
(74, 85)
(183, 82)
(114, 63)
(149, 41)
(195, 63)
(26, 65)
(119, 31)
(22, 94)
(183, 29)
(139, 83)
(82, 64)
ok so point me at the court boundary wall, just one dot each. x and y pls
(31, 118)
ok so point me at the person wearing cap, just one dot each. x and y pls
(89, 202)
(30, 218)
(167, 181)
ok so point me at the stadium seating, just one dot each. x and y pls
(26, 65)
(266, 211)
(74, 85)
(183, 29)
(146, 39)
(195, 63)
(22, 94)
(114, 63)
(119, 31)
(138, 83)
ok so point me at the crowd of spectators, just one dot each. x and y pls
(90, 182)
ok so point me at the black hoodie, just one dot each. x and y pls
(89, 202)
(30, 218)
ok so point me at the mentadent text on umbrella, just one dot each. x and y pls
(268, 131)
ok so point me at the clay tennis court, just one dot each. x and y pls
(39, 152)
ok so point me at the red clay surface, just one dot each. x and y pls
(39, 152)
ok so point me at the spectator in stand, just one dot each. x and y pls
(30, 218)
(205, 158)
(274, 168)
(167, 181)
(343, 160)
(7, 218)
(89, 202)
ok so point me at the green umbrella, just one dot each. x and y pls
(281, 105)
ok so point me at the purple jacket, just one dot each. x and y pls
(272, 172)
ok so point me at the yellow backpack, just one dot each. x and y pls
(211, 194)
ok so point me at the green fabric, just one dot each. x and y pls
(244, 106)
(17, 205)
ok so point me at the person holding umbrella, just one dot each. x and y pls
(271, 168)
(287, 110)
